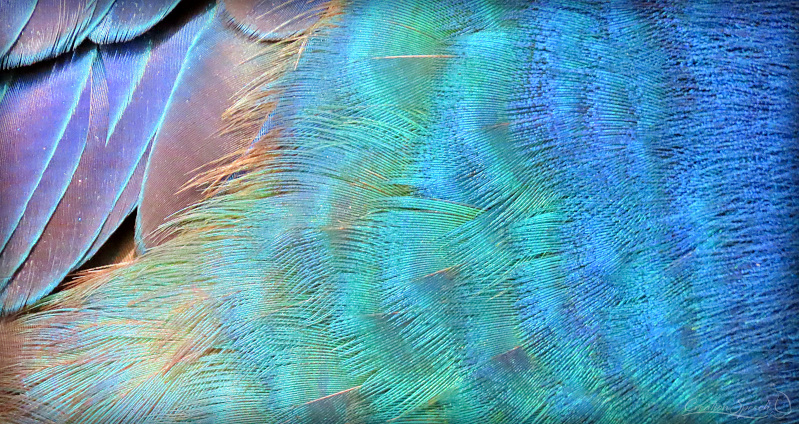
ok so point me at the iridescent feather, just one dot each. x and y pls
(450, 212)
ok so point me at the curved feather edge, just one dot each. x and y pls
(139, 76)
(195, 135)
(435, 257)
(49, 191)
(27, 146)
(127, 19)
(54, 27)
(126, 203)
(16, 15)
(273, 20)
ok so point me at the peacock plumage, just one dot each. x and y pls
(399, 211)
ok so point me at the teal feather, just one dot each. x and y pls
(474, 211)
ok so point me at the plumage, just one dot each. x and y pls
(54, 27)
(15, 15)
(191, 136)
(137, 78)
(49, 191)
(127, 201)
(72, 228)
(404, 211)
(33, 118)
(272, 19)
(127, 19)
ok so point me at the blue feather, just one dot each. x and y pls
(404, 211)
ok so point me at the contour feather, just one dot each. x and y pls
(476, 212)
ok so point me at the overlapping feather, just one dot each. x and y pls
(477, 212)
(168, 88)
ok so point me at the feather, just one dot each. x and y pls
(128, 200)
(50, 189)
(16, 15)
(51, 257)
(54, 27)
(473, 211)
(273, 19)
(139, 76)
(33, 118)
(191, 137)
(127, 19)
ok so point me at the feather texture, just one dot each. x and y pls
(136, 79)
(191, 137)
(54, 27)
(50, 189)
(28, 143)
(127, 19)
(472, 212)
(127, 201)
(273, 19)
(50, 257)
(15, 15)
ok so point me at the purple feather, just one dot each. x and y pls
(189, 141)
(128, 19)
(273, 19)
(33, 116)
(15, 15)
(55, 27)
